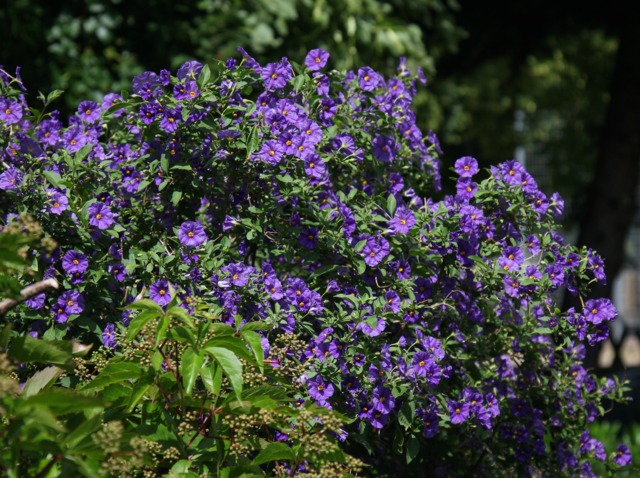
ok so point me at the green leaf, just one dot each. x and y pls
(175, 197)
(180, 333)
(391, 204)
(54, 178)
(28, 349)
(115, 373)
(204, 77)
(257, 325)
(82, 153)
(179, 313)
(231, 366)
(40, 380)
(83, 431)
(284, 178)
(543, 331)
(190, 366)
(413, 448)
(145, 304)
(274, 451)
(255, 342)
(232, 343)
(252, 141)
(163, 325)
(61, 401)
(212, 378)
(138, 391)
(138, 322)
(164, 163)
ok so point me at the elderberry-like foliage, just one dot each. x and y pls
(262, 249)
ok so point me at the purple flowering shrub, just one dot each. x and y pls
(262, 253)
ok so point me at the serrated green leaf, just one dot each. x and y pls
(114, 373)
(61, 401)
(40, 380)
(28, 349)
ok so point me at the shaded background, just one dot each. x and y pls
(551, 85)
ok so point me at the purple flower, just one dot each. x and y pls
(623, 455)
(100, 215)
(319, 390)
(186, 91)
(512, 258)
(74, 261)
(159, 292)
(276, 75)
(599, 310)
(10, 111)
(58, 201)
(308, 238)
(402, 221)
(368, 79)
(191, 234)
(170, 119)
(316, 59)
(271, 152)
(430, 422)
(108, 336)
(458, 411)
(10, 179)
(89, 111)
(596, 265)
(238, 273)
(37, 301)
(465, 188)
(118, 271)
(375, 250)
(372, 330)
(383, 400)
(385, 148)
(71, 301)
(466, 166)
(189, 70)
(392, 301)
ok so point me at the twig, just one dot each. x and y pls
(27, 293)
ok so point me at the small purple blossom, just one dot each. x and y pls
(316, 59)
(466, 166)
(191, 234)
(10, 111)
(74, 261)
(319, 389)
(402, 221)
(599, 310)
(108, 336)
(159, 292)
(375, 250)
(100, 215)
(89, 111)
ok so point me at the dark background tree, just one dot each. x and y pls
(550, 83)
